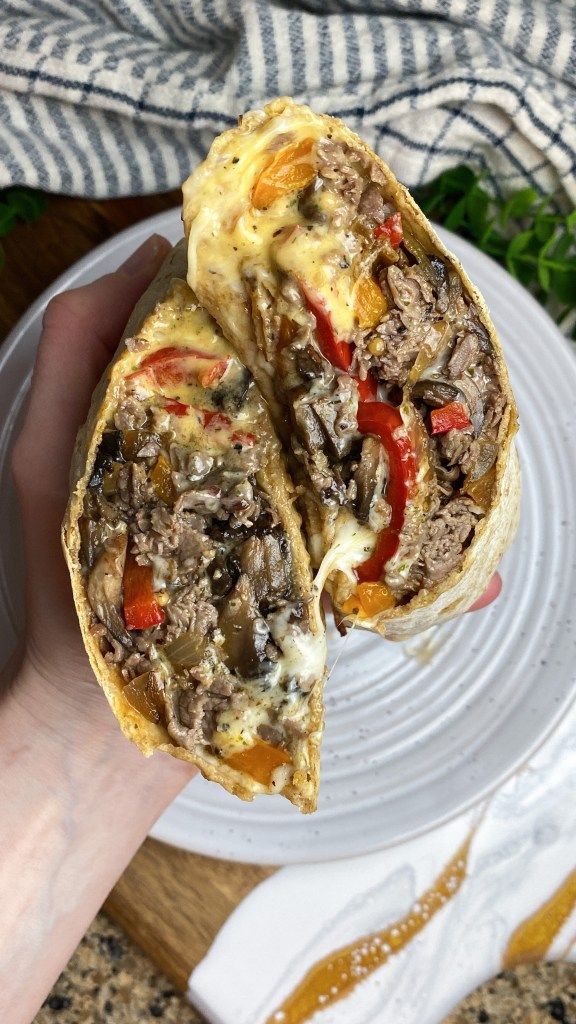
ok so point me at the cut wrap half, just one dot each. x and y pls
(191, 579)
(377, 356)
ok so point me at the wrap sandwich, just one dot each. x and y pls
(189, 571)
(376, 355)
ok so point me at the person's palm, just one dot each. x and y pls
(80, 332)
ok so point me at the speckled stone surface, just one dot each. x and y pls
(110, 981)
(534, 994)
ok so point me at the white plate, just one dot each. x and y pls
(410, 741)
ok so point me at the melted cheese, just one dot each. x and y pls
(229, 239)
(303, 654)
(185, 325)
(352, 545)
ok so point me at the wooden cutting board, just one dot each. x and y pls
(173, 903)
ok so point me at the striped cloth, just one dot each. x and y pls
(117, 97)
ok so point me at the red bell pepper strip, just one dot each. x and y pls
(170, 365)
(391, 228)
(213, 373)
(338, 353)
(452, 416)
(214, 419)
(243, 438)
(176, 408)
(141, 609)
(385, 422)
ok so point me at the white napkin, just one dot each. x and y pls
(523, 848)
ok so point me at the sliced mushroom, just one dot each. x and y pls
(435, 392)
(225, 572)
(109, 451)
(104, 587)
(231, 395)
(311, 364)
(308, 427)
(267, 563)
(308, 202)
(95, 534)
(370, 476)
(245, 632)
(479, 459)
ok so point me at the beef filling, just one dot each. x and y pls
(217, 565)
(424, 309)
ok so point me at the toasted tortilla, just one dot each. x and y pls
(165, 299)
(215, 195)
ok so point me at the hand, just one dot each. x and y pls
(76, 798)
(489, 595)
(81, 331)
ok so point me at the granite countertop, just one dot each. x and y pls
(110, 981)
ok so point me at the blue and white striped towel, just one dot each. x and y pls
(116, 97)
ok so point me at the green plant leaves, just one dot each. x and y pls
(18, 204)
(525, 232)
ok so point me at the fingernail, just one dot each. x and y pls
(145, 257)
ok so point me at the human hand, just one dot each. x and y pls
(76, 798)
(81, 330)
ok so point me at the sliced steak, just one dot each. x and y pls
(447, 535)
(189, 613)
(372, 209)
(464, 355)
(453, 445)
(185, 708)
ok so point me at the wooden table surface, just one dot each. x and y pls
(172, 903)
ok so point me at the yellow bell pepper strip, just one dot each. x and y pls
(259, 761)
(338, 353)
(290, 169)
(391, 229)
(385, 422)
(452, 416)
(369, 302)
(481, 490)
(161, 480)
(141, 609)
(145, 696)
(369, 599)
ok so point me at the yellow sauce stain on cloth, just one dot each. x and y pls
(339, 973)
(534, 936)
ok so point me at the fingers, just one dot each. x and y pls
(81, 329)
(489, 595)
